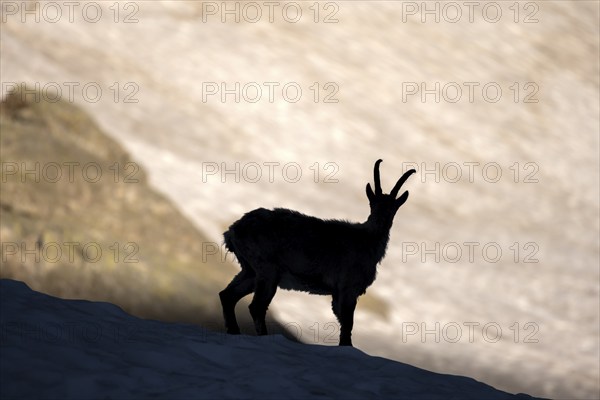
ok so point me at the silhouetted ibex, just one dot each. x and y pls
(294, 251)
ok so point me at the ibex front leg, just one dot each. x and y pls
(343, 307)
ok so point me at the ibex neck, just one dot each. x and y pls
(378, 236)
(378, 225)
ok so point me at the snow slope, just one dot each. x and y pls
(55, 348)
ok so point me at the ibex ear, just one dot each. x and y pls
(370, 193)
(401, 200)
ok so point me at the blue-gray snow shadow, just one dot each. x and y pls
(55, 348)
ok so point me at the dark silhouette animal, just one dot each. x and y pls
(294, 251)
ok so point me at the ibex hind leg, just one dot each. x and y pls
(241, 285)
(265, 289)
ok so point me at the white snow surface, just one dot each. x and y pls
(55, 348)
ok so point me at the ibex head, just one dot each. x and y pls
(384, 206)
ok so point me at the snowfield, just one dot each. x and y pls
(55, 348)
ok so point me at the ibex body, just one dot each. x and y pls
(287, 249)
